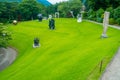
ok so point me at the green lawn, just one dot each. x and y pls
(71, 52)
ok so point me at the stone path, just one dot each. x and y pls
(112, 72)
(7, 56)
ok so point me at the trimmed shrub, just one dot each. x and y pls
(99, 19)
(118, 21)
(117, 13)
(99, 15)
(4, 36)
(112, 21)
(91, 15)
(111, 10)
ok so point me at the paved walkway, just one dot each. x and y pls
(116, 27)
(7, 56)
(112, 71)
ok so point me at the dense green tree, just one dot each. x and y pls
(111, 10)
(104, 4)
(114, 3)
(71, 5)
(99, 6)
(116, 15)
(75, 6)
(99, 15)
(51, 9)
(63, 8)
(7, 11)
(30, 8)
(91, 15)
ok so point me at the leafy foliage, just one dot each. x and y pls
(4, 36)
(29, 9)
(99, 6)
(8, 11)
(71, 5)
(100, 15)
(91, 14)
(117, 12)
(26, 10)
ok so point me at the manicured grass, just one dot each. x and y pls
(71, 52)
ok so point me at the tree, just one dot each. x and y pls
(100, 15)
(116, 15)
(71, 5)
(111, 10)
(91, 15)
(75, 6)
(97, 4)
(7, 11)
(52, 9)
(114, 3)
(30, 9)
(63, 8)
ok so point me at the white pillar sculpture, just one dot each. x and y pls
(57, 14)
(105, 24)
(72, 14)
(79, 18)
(50, 17)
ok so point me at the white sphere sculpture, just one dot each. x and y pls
(14, 22)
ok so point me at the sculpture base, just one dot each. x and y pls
(36, 46)
(79, 20)
(104, 36)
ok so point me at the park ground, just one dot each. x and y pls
(73, 51)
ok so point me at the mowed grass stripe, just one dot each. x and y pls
(70, 52)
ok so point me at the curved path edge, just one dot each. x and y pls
(8, 55)
(112, 71)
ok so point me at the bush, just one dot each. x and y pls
(99, 15)
(99, 19)
(4, 36)
(4, 20)
(112, 21)
(117, 13)
(118, 21)
(91, 15)
(111, 10)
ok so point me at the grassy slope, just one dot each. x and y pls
(70, 52)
